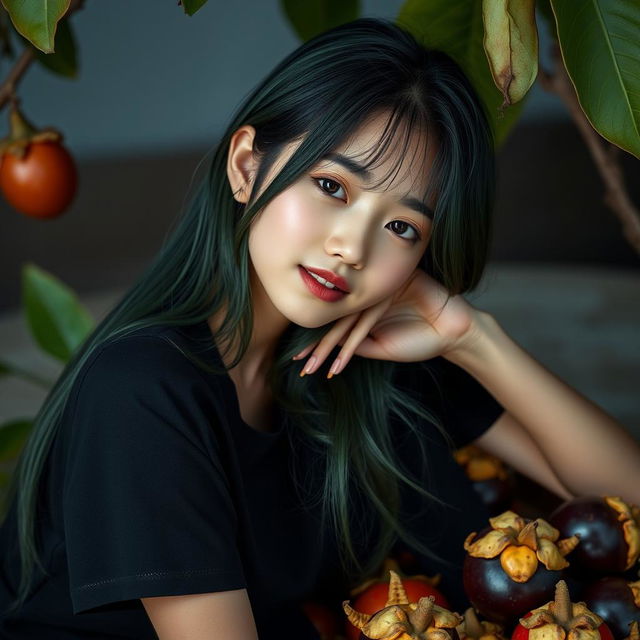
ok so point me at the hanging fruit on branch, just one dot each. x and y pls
(562, 618)
(513, 566)
(38, 176)
(371, 596)
(616, 600)
(609, 532)
(400, 619)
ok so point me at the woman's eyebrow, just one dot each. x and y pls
(365, 175)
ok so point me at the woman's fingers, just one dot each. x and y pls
(328, 342)
(367, 321)
(356, 328)
(306, 351)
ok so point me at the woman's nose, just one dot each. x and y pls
(350, 239)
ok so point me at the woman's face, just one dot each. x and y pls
(328, 220)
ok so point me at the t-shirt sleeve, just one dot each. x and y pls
(147, 505)
(465, 407)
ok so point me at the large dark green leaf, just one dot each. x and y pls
(311, 17)
(13, 435)
(600, 44)
(63, 60)
(191, 6)
(36, 20)
(455, 27)
(58, 322)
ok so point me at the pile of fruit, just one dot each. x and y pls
(573, 575)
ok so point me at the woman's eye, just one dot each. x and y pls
(400, 227)
(328, 186)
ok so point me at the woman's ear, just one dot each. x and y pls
(241, 163)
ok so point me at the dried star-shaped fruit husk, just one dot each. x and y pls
(404, 620)
(479, 465)
(521, 545)
(560, 619)
(629, 516)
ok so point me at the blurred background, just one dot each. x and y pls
(155, 91)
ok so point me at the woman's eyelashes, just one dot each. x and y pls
(335, 187)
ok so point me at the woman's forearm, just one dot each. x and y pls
(590, 451)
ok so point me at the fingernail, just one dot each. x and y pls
(309, 366)
(334, 368)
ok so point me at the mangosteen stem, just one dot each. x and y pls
(421, 617)
(472, 626)
(562, 610)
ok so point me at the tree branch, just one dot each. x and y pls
(606, 156)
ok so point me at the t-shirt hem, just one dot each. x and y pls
(176, 583)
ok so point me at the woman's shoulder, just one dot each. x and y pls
(139, 382)
(147, 356)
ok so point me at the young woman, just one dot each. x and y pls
(273, 405)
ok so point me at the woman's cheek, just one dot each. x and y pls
(391, 275)
(296, 216)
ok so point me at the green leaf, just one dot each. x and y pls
(13, 435)
(455, 27)
(5, 369)
(312, 17)
(63, 60)
(191, 6)
(600, 47)
(511, 45)
(36, 20)
(58, 322)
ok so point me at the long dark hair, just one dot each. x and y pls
(320, 93)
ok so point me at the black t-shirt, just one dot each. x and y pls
(156, 486)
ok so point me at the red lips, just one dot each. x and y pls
(331, 277)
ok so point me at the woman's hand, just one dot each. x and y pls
(416, 323)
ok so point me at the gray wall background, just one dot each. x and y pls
(157, 88)
(154, 79)
(155, 91)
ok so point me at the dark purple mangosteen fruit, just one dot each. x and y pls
(616, 600)
(608, 530)
(513, 566)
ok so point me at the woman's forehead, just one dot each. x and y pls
(401, 158)
(396, 159)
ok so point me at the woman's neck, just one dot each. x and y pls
(268, 326)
